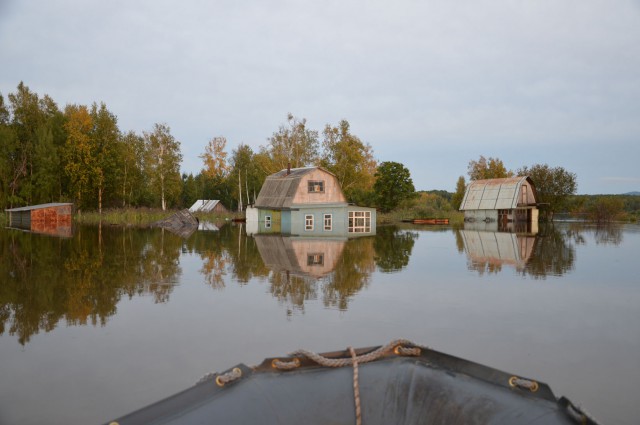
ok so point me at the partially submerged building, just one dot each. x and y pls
(208, 206)
(308, 201)
(51, 219)
(508, 200)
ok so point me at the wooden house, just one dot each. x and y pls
(508, 200)
(52, 219)
(308, 201)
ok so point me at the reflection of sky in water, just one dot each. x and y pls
(577, 331)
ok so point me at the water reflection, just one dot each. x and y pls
(80, 280)
(306, 268)
(549, 252)
(488, 252)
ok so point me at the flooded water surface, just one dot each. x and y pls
(100, 321)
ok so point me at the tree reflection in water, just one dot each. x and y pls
(81, 279)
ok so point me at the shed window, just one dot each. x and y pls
(316, 186)
(308, 222)
(359, 221)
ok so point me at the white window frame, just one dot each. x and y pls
(359, 221)
(328, 222)
(267, 222)
(308, 222)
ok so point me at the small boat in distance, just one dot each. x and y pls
(398, 383)
(427, 221)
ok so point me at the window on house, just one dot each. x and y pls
(328, 222)
(308, 222)
(267, 222)
(359, 221)
(316, 186)
(315, 259)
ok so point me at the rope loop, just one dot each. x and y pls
(231, 376)
(528, 384)
(364, 358)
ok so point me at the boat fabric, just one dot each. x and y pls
(433, 388)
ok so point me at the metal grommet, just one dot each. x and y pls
(399, 350)
(283, 364)
(525, 383)
(221, 380)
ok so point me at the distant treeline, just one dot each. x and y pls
(79, 154)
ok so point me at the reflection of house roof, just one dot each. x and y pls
(291, 254)
(498, 247)
(493, 194)
(204, 205)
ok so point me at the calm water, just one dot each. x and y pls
(111, 319)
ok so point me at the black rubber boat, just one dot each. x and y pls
(399, 383)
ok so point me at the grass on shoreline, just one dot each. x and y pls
(137, 216)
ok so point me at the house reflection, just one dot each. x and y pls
(488, 250)
(300, 256)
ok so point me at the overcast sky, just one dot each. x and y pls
(430, 84)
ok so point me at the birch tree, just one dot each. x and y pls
(162, 163)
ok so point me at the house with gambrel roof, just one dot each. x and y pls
(308, 201)
(508, 200)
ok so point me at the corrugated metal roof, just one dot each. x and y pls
(40, 206)
(204, 205)
(493, 194)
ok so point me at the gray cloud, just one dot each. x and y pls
(431, 84)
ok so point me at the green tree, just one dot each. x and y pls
(554, 186)
(350, 159)
(604, 209)
(105, 137)
(162, 164)
(461, 187)
(27, 118)
(293, 144)
(393, 185)
(484, 168)
(189, 190)
(47, 164)
(131, 156)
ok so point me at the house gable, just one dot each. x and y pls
(300, 187)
